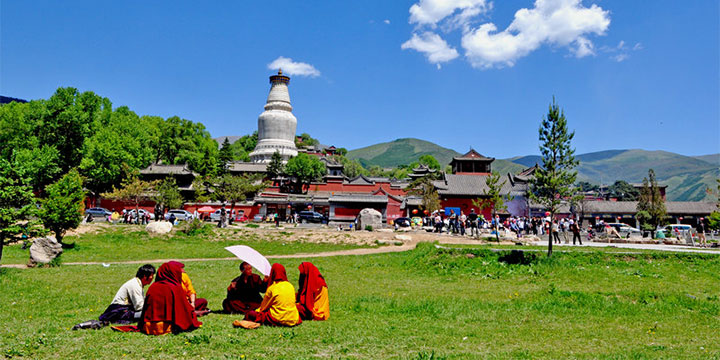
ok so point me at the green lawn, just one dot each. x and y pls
(423, 304)
(131, 242)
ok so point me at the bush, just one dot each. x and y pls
(197, 227)
(368, 228)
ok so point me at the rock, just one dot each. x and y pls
(385, 230)
(44, 250)
(389, 242)
(369, 217)
(403, 237)
(159, 227)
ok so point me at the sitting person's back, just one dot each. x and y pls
(166, 307)
(128, 302)
(278, 305)
(313, 301)
(243, 294)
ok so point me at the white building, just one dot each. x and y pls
(277, 124)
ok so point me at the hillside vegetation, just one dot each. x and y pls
(400, 152)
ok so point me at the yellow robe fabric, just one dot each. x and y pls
(280, 301)
(187, 285)
(321, 308)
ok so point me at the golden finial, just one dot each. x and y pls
(280, 71)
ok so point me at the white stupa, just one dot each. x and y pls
(277, 124)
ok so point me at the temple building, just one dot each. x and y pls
(277, 124)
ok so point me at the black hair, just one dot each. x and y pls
(242, 266)
(145, 271)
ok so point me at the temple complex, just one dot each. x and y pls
(277, 124)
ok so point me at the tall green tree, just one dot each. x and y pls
(125, 141)
(622, 191)
(234, 189)
(41, 163)
(651, 206)
(425, 189)
(167, 194)
(62, 209)
(133, 190)
(275, 167)
(553, 180)
(16, 203)
(225, 155)
(430, 161)
(304, 169)
(184, 141)
(494, 198)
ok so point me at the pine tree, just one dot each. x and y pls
(225, 155)
(553, 181)
(494, 199)
(275, 167)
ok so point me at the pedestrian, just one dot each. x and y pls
(576, 231)
(554, 231)
(701, 232)
(473, 222)
(462, 224)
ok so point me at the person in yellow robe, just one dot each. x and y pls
(278, 305)
(199, 304)
(313, 301)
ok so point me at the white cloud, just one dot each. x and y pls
(386, 21)
(431, 12)
(620, 57)
(555, 22)
(293, 68)
(638, 46)
(433, 46)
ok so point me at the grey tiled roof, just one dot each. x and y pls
(158, 169)
(246, 167)
(358, 198)
(472, 185)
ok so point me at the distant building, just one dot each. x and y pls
(277, 124)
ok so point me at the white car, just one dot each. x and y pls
(180, 214)
(143, 213)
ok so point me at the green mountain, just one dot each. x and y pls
(400, 152)
(687, 177)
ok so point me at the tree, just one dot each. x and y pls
(430, 161)
(651, 206)
(425, 188)
(623, 191)
(586, 186)
(304, 169)
(225, 156)
(63, 207)
(234, 189)
(167, 194)
(275, 167)
(16, 203)
(494, 199)
(183, 141)
(306, 140)
(41, 164)
(133, 190)
(553, 180)
(341, 151)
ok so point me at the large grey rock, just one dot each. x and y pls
(44, 250)
(159, 227)
(369, 217)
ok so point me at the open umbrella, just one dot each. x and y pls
(206, 209)
(252, 257)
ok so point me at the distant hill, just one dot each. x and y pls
(400, 152)
(687, 177)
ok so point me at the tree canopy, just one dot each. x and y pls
(304, 169)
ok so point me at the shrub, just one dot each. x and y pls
(197, 227)
(368, 228)
(252, 226)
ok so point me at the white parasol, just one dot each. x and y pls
(252, 257)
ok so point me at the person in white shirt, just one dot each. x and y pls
(128, 303)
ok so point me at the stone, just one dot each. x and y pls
(159, 227)
(44, 250)
(369, 217)
(403, 237)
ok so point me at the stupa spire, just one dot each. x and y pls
(277, 124)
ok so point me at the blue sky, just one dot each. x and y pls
(460, 73)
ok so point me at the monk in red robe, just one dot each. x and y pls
(166, 307)
(313, 301)
(243, 294)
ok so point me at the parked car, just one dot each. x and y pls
(180, 214)
(311, 216)
(402, 222)
(625, 230)
(675, 229)
(143, 212)
(215, 216)
(98, 212)
(257, 218)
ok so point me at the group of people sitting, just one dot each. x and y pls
(171, 304)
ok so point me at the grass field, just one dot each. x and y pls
(429, 303)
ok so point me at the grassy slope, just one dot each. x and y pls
(130, 242)
(414, 305)
(401, 152)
